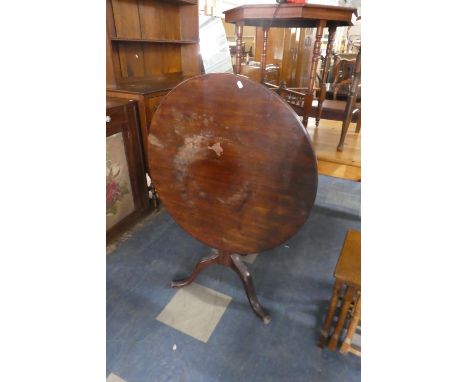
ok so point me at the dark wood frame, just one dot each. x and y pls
(123, 117)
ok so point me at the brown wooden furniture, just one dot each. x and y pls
(231, 184)
(152, 45)
(292, 16)
(343, 70)
(347, 346)
(338, 110)
(152, 37)
(148, 93)
(275, 47)
(296, 55)
(340, 92)
(249, 39)
(126, 191)
(347, 288)
(255, 73)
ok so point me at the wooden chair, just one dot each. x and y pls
(347, 289)
(347, 111)
(343, 70)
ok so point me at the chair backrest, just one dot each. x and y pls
(355, 81)
(342, 75)
(343, 69)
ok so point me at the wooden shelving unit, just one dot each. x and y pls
(148, 38)
(152, 45)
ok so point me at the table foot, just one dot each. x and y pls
(241, 269)
(234, 262)
(201, 265)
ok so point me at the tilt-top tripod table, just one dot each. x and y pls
(234, 167)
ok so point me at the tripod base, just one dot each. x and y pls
(234, 262)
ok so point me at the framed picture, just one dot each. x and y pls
(126, 188)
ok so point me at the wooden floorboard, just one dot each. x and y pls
(325, 138)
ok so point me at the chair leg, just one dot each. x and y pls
(319, 112)
(344, 130)
(358, 125)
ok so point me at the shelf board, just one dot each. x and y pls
(148, 85)
(157, 41)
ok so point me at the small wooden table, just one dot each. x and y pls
(293, 16)
(348, 286)
(237, 181)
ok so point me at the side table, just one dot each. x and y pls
(347, 288)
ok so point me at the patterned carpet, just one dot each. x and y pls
(207, 331)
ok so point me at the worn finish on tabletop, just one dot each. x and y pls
(239, 182)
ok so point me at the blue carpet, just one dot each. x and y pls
(293, 282)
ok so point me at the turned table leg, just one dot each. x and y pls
(326, 67)
(341, 320)
(264, 54)
(356, 317)
(324, 333)
(239, 31)
(315, 54)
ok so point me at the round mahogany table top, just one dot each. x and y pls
(232, 163)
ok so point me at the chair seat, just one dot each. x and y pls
(332, 109)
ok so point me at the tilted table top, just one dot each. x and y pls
(232, 163)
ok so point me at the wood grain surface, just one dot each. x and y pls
(232, 163)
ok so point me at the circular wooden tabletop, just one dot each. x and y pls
(232, 163)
